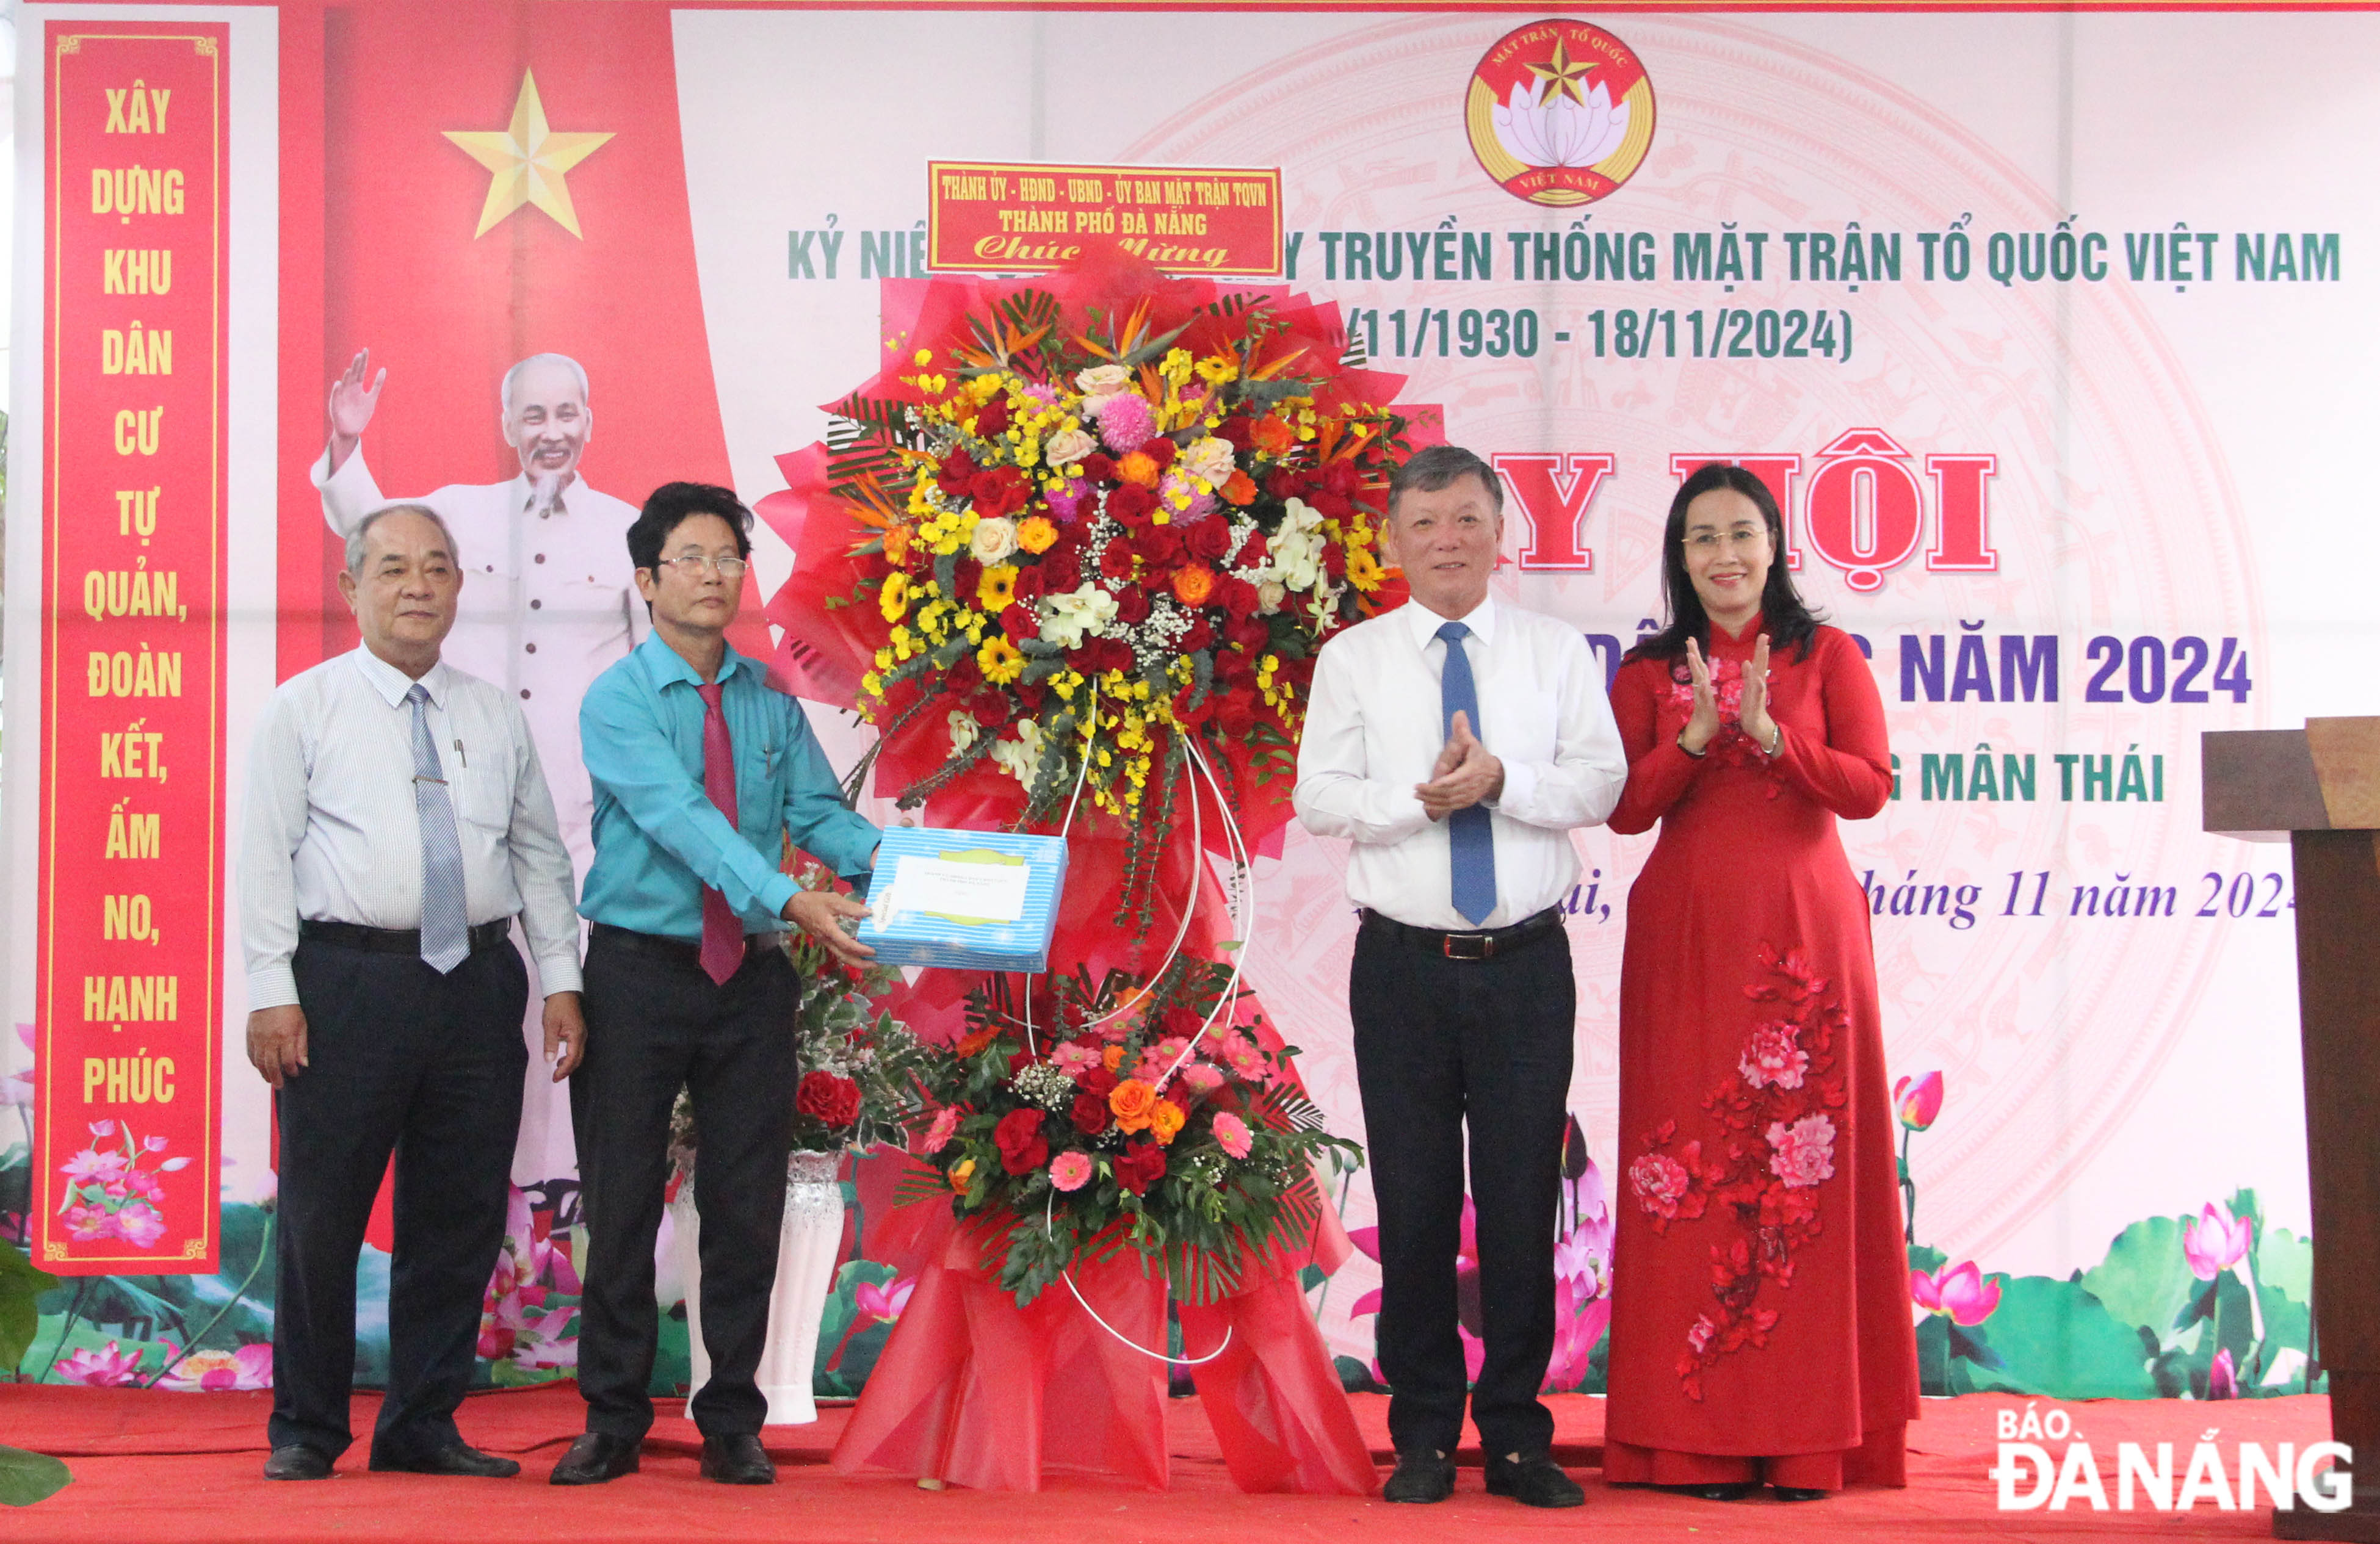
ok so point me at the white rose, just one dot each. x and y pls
(993, 540)
(1269, 595)
(1067, 447)
(1209, 460)
(1102, 381)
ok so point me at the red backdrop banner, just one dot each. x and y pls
(132, 809)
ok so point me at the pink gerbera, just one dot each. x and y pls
(1071, 1171)
(937, 1135)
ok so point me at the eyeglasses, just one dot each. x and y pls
(1711, 541)
(694, 565)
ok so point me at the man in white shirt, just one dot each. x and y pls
(1456, 742)
(397, 822)
(552, 598)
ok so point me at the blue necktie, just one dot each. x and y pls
(445, 940)
(1470, 840)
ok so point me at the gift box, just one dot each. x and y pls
(965, 900)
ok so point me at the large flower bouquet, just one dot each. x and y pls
(860, 1065)
(1093, 516)
(1144, 1118)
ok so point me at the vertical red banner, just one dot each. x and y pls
(133, 804)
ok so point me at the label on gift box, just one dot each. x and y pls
(968, 888)
(979, 900)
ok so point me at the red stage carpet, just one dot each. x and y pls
(157, 1467)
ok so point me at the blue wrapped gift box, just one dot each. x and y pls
(965, 900)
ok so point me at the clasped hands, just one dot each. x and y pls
(1465, 774)
(1752, 714)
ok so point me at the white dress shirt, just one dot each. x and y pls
(549, 600)
(329, 833)
(1374, 729)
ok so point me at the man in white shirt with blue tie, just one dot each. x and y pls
(397, 822)
(1455, 743)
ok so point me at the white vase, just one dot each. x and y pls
(807, 1247)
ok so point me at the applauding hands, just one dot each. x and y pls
(1465, 774)
(1704, 723)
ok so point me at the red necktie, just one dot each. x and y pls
(723, 930)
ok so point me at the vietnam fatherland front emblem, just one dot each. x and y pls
(1560, 113)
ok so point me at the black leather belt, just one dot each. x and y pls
(1483, 945)
(677, 950)
(396, 940)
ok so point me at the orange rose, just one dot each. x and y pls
(1036, 533)
(973, 1045)
(896, 546)
(1113, 1057)
(1133, 1103)
(1138, 468)
(1165, 1118)
(1237, 490)
(1193, 584)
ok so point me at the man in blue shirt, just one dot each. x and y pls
(701, 771)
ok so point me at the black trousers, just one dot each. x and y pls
(1440, 1044)
(399, 1058)
(652, 1024)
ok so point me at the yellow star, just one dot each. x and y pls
(527, 160)
(1561, 74)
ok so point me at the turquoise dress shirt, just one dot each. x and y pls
(659, 839)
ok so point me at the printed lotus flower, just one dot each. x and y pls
(1960, 1293)
(112, 1368)
(18, 1087)
(1561, 127)
(2223, 1377)
(2217, 1241)
(1582, 1269)
(250, 1367)
(1918, 1101)
(1468, 1322)
(874, 1302)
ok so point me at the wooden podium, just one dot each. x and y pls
(2319, 789)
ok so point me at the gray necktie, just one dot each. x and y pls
(445, 937)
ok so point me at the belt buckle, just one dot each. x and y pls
(1480, 940)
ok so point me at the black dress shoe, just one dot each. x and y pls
(595, 1457)
(1421, 1476)
(738, 1460)
(297, 1461)
(1712, 1492)
(1533, 1481)
(459, 1458)
(1799, 1493)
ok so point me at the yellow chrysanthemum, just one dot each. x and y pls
(999, 660)
(997, 590)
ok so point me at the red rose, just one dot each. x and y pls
(1183, 1021)
(1098, 467)
(1032, 582)
(1197, 635)
(1255, 553)
(1237, 596)
(1335, 506)
(1284, 483)
(1235, 717)
(1091, 1112)
(1132, 607)
(991, 418)
(1161, 451)
(1162, 545)
(956, 476)
(1237, 432)
(1002, 490)
(989, 708)
(1139, 1166)
(1022, 1147)
(1115, 560)
(1341, 477)
(1054, 575)
(1249, 633)
(1209, 538)
(966, 577)
(833, 1100)
(1131, 505)
(1020, 624)
(1098, 1082)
